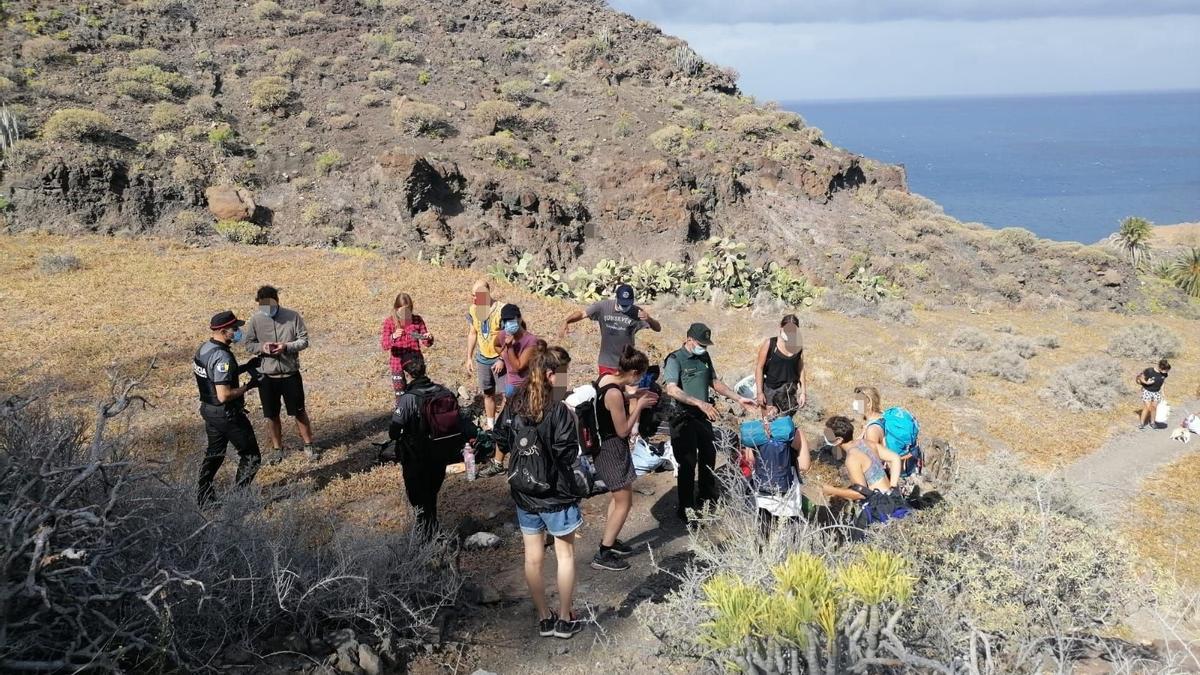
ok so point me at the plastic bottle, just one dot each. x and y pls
(468, 454)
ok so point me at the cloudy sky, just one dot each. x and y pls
(855, 49)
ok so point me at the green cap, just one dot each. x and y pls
(700, 333)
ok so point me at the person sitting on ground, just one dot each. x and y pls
(515, 345)
(864, 465)
(868, 405)
(537, 407)
(423, 457)
(779, 373)
(1152, 380)
(619, 320)
(402, 337)
(617, 420)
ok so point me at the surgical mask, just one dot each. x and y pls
(511, 327)
(857, 405)
(828, 443)
(269, 310)
(699, 350)
(238, 335)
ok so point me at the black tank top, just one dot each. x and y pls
(604, 418)
(780, 370)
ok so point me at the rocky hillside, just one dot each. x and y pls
(467, 132)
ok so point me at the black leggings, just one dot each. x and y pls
(692, 444)
(422, 481)
(222, 431)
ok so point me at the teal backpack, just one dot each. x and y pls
(901, 432)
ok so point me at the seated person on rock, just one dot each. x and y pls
(864, 467)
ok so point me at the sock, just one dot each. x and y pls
(604, 548)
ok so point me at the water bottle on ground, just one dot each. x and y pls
(468, 454)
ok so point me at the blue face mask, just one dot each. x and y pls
(699, 350)
(238, 335)
(511, 327)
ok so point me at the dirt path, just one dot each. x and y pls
(1111, 477)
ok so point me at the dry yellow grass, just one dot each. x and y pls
(1165, 519)
(135, 299)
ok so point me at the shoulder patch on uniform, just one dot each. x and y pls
(223, 367)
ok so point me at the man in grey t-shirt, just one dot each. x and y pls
(619, 319)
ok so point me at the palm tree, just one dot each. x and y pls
(1133, 238)
(1185, 272)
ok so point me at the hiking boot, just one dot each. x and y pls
(312, 452)
(608, 560)
(493, 468)
(275, 457)
(620, 548)
(565, 629)
(546, 626)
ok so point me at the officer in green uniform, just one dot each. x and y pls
(690, 377)
(223, 405)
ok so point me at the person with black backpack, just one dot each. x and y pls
(688, 376)
(537, 430)
(429, 431)
(617, 416)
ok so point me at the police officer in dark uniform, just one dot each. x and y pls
(222, 403)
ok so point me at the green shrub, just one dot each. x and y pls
(555, 80)
(370, 100)
(582, 52)
(328, 161)
(1015, 240)
(1093, 383)
(407, 22)
(502, 150)
(121, 42)
(202, 105)
(45, 50)
(421, 119)
(789, 152)
(76, 124)
(493, 116)
(148, 83)
(59, 263)
(671, 139)
(164, 144)
(185, 172)
(755, 125)
(312, 16)
(270, 93)
(242, 231)
(518, 91)
(222, 136)
(624, 125)
(1146, 341)
(384, 79)
(424, 78)
(267, 9)
(167, 116)
(6, 85)
(289, 62)
(149, 56)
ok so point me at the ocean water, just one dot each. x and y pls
(1065, 167)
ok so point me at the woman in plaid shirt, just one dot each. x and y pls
(403, 335)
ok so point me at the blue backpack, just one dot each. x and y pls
(773, 470)
(754, 432)
(901, 433)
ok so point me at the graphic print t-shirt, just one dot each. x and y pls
(616, 329)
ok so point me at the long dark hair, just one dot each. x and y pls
(533, 398)
(633, 360)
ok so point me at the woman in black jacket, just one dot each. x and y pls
(539, 430)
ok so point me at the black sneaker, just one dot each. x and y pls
(620, 548)
(565, 629)
(608, 560)
(546, 626)
(493, 468)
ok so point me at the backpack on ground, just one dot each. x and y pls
(441, 422)
(530, 469)
(901, 433)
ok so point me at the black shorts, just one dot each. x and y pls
(290, 389)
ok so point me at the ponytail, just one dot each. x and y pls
(534, 397)
(633, 360)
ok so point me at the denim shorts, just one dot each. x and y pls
(559, 523)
